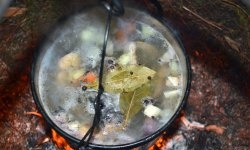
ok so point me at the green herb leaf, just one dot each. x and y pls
(130, 102)
(127, 78)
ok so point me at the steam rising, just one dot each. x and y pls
(83, 35)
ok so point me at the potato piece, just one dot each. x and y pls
(74, 75)
(124, 59)
(92, 35)
(62, 77)
(152, 111)
(110, 48)
(147, 31)
(172, 94)
(128, 58)
(88, 35)
(174, 68)
(83, 129)
(70, 60)
(73, 126)
(167, 56)
(173, 81)
(77, 74)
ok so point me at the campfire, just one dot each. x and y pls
(165, 142)
(60, 141)
(216, 113)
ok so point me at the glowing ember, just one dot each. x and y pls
(56, 138)
(34, 113)
(60, 141)
(162, 143)
(63, 144)
(159, 143)
(196, 125)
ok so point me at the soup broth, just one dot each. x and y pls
(143, 78)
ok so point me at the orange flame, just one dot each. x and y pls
(63, 144)
(158, 144)
(60, 141)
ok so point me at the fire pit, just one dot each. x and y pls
(215, 116)
(146, 79)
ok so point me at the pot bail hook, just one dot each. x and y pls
(117, 6)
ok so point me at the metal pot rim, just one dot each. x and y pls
(74, 141)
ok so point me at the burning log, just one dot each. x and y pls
(164, 142)
(196, 125)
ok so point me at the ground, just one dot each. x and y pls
(215, 33)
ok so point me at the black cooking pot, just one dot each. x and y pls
(77, 42)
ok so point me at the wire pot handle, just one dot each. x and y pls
(117, 6)
(84, 143)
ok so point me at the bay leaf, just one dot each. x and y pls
(127, 78)
(130, 102)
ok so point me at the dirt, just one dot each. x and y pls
(220, 88)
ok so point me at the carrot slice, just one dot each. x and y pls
(90, 77)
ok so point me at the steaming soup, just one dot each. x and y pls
(143, 78)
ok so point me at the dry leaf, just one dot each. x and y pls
(130, 103)
(127, 79)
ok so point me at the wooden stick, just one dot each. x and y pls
(199, 17)
(235, 5)
(34, 113)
